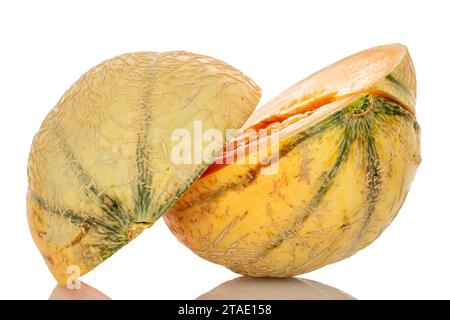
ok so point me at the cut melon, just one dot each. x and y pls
(349, 147)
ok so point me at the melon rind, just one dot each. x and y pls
(100, 169)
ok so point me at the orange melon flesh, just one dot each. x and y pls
(358, 73)
(381, 71)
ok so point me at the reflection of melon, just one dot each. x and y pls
(349, 149)
(99, 168)
(246, 288)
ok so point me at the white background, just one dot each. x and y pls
(47, 45)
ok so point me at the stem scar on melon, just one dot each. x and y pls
(351, 130)
(99, 171)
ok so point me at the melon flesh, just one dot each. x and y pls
(385, 70)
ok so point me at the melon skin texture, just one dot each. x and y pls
(344, 172)
(100, 168)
